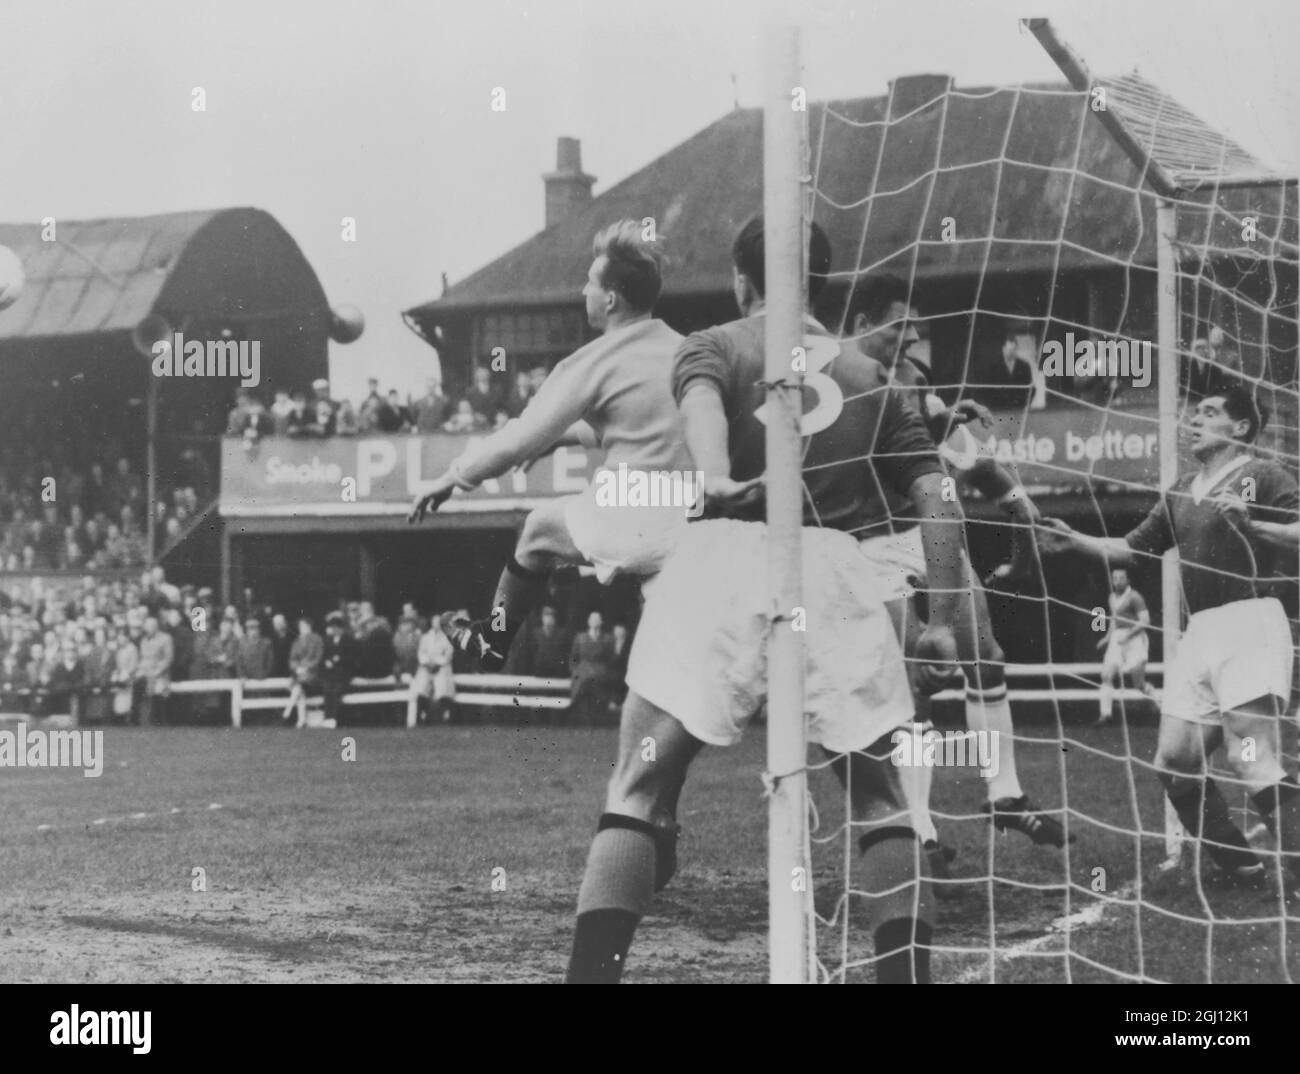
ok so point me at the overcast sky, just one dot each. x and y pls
(380, 110)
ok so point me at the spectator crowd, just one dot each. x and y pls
(109, 651)
(486, 405)
(78, 501)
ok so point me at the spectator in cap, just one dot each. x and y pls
(322, 408)
(338, 667)
(255, 655)
(368, 415)
(155, 670)
(406, 646)
(305, 658)
(346, 423)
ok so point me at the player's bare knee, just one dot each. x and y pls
(534, 541)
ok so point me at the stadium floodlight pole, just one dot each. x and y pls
(789, 874)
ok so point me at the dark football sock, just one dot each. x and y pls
(903, 952)
(518, 592)
(600, 942)
(895, 865)
(616, 892)
(1205, 816)
(1279, 805)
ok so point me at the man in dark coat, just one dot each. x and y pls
(339, 668)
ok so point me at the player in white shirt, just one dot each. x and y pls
(1125, 642)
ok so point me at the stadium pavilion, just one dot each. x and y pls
(1055, 230)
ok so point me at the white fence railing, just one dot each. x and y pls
(531, 692)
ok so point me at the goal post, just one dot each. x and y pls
(1171, 625)
(789, 874)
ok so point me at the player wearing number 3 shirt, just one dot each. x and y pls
(698, 669)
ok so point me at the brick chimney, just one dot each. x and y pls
(910, 92)
(568, 188)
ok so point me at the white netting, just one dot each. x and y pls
(1014, 217)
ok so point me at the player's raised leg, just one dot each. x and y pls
(543, 542)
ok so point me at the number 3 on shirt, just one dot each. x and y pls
(820, 351)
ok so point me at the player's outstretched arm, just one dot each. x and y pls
(558, 405)
(941, 539)
(1055, 537)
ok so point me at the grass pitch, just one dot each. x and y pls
(455, 854)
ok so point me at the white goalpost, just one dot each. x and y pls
(789, 874)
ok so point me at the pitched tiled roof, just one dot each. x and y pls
(1023, 184)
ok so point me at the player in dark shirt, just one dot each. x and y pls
(697, 672)
(882, 317)
(1230, 676)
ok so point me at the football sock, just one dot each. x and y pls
(1205, 816)
(903, 952)
(518, 592)
(616, 892)
(916, 780)
(894, 865)
(1279, 805)
(989, 710)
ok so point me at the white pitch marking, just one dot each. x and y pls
(1091, 915)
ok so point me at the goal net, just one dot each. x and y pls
(1088, 260)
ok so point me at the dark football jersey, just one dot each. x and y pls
(862, 441)
(1218, 563)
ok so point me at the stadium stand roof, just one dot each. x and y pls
(1026, 188)
(108, 275)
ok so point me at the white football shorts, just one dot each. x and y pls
(1129, 655)
(897, 562)
(700, 652)
(1229, 655)
(622, 539)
